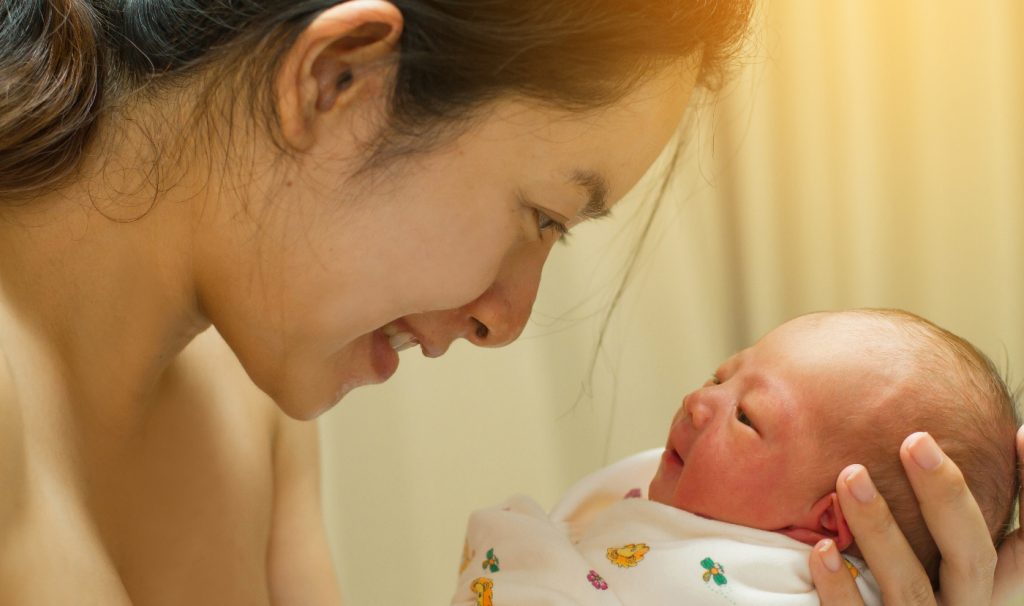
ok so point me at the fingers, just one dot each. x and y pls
(1020, 467)
(833, 581)
(954, 520)
(1009, 581)
(893, 563)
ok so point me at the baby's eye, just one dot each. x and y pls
(743, 418)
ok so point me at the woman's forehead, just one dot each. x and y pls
(603, 151)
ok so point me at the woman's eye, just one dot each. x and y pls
(713, 380)
(743, 418)
(546, 223)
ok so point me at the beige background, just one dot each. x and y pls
(869, 153)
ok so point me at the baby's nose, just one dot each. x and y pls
(700, 411)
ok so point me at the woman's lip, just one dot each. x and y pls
(383, 357)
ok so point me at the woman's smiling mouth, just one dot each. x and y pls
(398, 339)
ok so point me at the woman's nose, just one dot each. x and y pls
(499, 315)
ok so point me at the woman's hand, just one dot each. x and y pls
(1009, 583)
(968, 574)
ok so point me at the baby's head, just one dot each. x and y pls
(762, 442)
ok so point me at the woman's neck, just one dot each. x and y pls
(92, 310)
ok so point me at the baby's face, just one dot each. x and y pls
(749, 446)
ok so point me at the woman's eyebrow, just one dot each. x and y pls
(596, 187)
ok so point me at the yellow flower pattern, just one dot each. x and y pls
(853, 569)
(484, 590)
(629, 555)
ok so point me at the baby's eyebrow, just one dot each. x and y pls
(757, 380)
(730, 363)
(763, 396)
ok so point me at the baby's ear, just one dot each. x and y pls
(824, 520)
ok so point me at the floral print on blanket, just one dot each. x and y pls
(713, 570)
(484, 590)
(491, 562)
(853, 569)
(596, 580)
(467, 557)
(629, 555)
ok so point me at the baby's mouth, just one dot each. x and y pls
(676, 456)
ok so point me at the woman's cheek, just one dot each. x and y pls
(451, 281)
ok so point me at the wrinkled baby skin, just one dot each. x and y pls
(750, 445)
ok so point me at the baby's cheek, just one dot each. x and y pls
(744, 491)
(762, 500)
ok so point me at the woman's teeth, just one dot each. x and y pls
(399, 341)
(402, 341)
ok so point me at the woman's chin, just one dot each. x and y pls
(369, 360)
(309, 388)
(309, 396)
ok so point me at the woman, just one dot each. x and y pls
(325, 184)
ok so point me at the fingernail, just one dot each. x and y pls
(925, 451)
(829, 554)
(860, 485)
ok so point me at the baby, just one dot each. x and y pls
(745, 484)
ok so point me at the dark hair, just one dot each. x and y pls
(50, 87)
(60, 59)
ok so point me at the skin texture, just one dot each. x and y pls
(953, 517)
(779, 384)
(138, 460)
(144, 464)
(747, 446)
(442, 243)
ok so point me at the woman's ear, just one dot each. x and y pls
(330, 62)
(824, 520)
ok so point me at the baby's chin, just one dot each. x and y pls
(661, 489)
(665, 484)
(654, 494)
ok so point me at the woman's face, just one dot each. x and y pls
(337, 270)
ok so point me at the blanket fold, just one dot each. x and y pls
(599, 548)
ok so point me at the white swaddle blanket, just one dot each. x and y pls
(599, 549)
